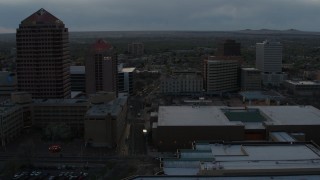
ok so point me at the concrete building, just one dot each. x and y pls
(24, 100)
(229, 48)
(11, 121)
(53, 111)
(178, 126)
(303, 88)
(136, 49)
(269, 57)
(269, 62)
(182, 83)
(240, 159)
(8, 83)
(220, 76)
(126, 79)
(250, 79)
(43, 56)
(78, 78)
(311, 75)
(261, 97)
(101, 118)
(101, 68)
(273, 79)
(105, 123)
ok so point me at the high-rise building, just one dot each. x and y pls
(269, 57)
(229, 48)
(220, 76)
(269, 62)
(101, 68)
(136, 49)
(43, 57)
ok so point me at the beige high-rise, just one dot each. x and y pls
(43, 57)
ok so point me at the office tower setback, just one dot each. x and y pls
(101, 68)
(43, 57)
(78, 78)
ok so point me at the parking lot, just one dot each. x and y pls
(52, 173)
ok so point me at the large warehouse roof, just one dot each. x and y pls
(262, 158)
(192, 116)
(215, 115)
(291, 115)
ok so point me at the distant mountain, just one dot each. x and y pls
(271, 31)
(79, 36)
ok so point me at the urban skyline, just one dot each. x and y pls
(205, 15)
(150, 105)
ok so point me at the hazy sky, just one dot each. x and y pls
(207, 15)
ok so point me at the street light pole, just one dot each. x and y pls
(145, 133)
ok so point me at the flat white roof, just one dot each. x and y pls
(290, 115)
(263, 153)
(131, 69)
(262, 157)
(195, 177)
(250, 69)
(213, 116)
(303, 82)
(193, 116)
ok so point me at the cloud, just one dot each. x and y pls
(6, 30)
(169, 14)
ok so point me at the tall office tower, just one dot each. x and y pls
(136, 49)
(269, 57)
(43, 57)
(220, 76)
(269, 62)
(101, 68)
(229, 48)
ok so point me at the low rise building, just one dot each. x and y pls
(303, 88)
(261, 97)
(250, 79)
(68, 111)
(273, 79)
(183, 83)
(8, 83)
(244, 159)
(105, 123)
(24, 100)
(178, 126)
(101, 117)
(11, 121)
